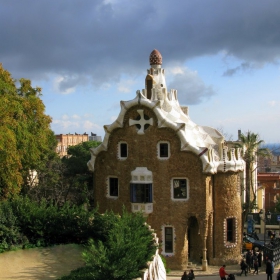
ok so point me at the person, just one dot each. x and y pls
(248, 260)
(260, 255)
(269, 269)
(278, 275)
(191, 275)
(222, 272)
(184, 276)
(269, 233)
(256, 266)
(243, 267)
(255, 235)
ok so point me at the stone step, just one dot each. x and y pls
(192, 265)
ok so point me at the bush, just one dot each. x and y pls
(9, 230)
(27, 223)
(124, 249)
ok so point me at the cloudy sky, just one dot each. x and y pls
(222, 56)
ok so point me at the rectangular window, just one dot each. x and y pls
(141, 193)
(168, 238)
(114, 186)
(123, 150)
(179, 188)
(230, 230)
(163, 150)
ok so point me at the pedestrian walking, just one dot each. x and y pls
(256, 266)
(269, 269)
(260, 256)
(222, 272)
(184, 276)
(243, 267)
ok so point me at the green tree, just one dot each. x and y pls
(250, 143)
(52, 185)
(124, 249)
(26, 138)
(77, 173)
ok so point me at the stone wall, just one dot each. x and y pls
(193, 220)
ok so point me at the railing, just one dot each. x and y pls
(272, 254)
(272, 221)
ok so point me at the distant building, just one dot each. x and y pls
(270, 182)
(94, 137)
(66, 140)
(270, 164)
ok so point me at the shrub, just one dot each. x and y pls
(125, 248)
(9, 230)
(28, 224)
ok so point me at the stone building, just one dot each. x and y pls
(66, 140)
(156, 160)
(270, 183)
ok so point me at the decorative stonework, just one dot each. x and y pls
(227, 243)
(155, 58)
(141, 122)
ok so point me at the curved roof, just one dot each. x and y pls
(205, 142)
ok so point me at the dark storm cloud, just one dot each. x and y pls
(103, 39)
(243, 67)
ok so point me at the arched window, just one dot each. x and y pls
(149, 86)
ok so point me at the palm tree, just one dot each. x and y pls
(250, 144)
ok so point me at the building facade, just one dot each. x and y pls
(66, 140)
(270, 183)
(181, 176)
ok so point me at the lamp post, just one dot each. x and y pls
(264, 217)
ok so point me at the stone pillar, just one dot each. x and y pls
(204, 250)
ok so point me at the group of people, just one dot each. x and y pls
(189, 276)
(244, 268)
(252, 260)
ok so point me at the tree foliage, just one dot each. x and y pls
(26, 138)
(250, 143)
(66, 179)
(77, 173)
(124, 249)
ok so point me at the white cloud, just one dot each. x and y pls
(65, 117)
(272, 103)
(90, 126)
(76, 117)
(65, 124)
(125, 86)
(60, 85)
(176, 70)
(191, 88)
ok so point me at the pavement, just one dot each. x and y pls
(213, 273)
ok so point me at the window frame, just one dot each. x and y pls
(147, 192)
(159, 150)
(172, 188)
(230, 232)
(109, 193)
(120, 150)
(168, 253)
